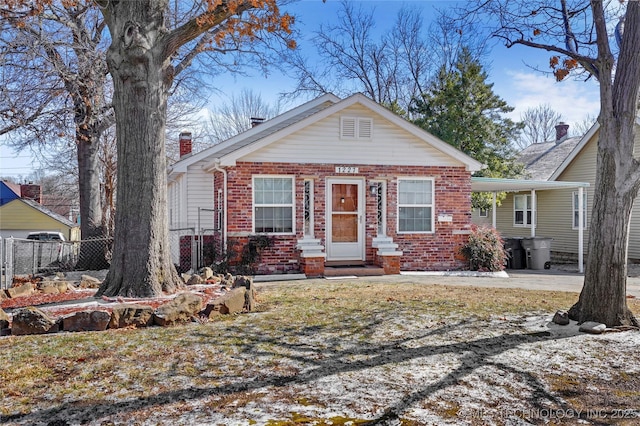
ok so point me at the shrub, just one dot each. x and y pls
(485, 250)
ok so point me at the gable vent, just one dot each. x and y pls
(364, 128)
(348, 128)
(356, 128)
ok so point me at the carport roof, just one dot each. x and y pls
(484, 184)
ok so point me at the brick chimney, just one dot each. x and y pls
(561, 131)
(31, 192)
(185, 144)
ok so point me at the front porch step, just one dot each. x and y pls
(358, 271)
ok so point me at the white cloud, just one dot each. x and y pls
(573, 99)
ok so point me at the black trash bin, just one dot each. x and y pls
(516, 257)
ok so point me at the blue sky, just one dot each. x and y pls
(509, 69)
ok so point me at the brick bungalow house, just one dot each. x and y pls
(331, 182)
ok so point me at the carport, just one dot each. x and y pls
(495, 185)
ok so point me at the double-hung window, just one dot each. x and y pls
(415, 205)
(522, 215)
(273, 204)
(576, 211)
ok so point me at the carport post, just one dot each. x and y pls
(533, 212)
(580, 230)
(493, 210)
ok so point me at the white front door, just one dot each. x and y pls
(345, 220)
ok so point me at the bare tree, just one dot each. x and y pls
(581, 128)
(54, 87)
(578, 35)
(235, 116)
(149, 47)
(391, 69)
(539, 125)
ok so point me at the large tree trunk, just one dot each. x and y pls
(141, 264)
(603, 296)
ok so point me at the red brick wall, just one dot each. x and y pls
(436, 251)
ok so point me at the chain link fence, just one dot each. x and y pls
(20, 257)
(31, 257)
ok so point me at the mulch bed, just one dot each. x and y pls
(55, 306)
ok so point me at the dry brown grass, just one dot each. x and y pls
(156, 375)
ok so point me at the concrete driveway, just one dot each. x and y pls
(554, 280)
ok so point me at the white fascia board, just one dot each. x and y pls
(210, 153)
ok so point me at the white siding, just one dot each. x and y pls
(634, 231)
(173, 195)
(321, 143)
(199, 195)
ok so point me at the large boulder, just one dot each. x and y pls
(21, 290)
(131, 315)
(181, 309)
(231, 302)
(4, 320)
(32, 320)
(86, 321)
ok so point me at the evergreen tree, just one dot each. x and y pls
(461, 109)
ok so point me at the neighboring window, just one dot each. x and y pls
(522, 210)
(356, 128)
(273, 204)
(483, 213)
(576, 212)
(415, 205)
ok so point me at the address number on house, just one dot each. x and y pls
(345, 169)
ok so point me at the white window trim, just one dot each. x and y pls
(528, 207)
(293, 203)
(357, 123)
(432, 205)
(574, 195)
(486, 212)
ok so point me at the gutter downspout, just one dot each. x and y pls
(224, 194)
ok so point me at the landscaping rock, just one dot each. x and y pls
(87, 281)
(50, 289)
(4, 320)
(130, 315)
(242, 281)
(195, 280)
(22, 290)
(32, 321)
(230, 303)
(86, 321)
(227, 280)
(592, 327)
(183, 308)
(206, 273)
(561, 318)
(3, 295)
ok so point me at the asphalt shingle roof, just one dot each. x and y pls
(541, 160)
